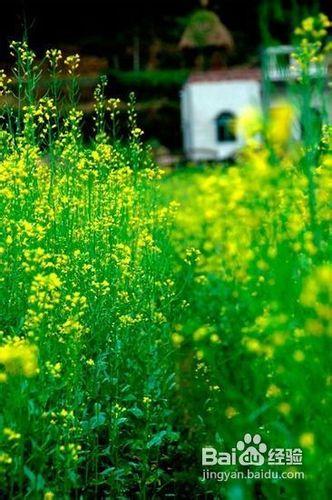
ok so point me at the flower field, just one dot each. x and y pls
(146, 314)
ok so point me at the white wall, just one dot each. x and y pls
(201, 103)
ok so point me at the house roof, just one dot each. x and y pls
(226, 74)
(206, 30)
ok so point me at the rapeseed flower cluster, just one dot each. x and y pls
(18, 357)
(87, 287)
(144, 315)
(260, 290)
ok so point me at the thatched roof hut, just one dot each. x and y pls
(206, 30)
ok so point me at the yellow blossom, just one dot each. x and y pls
(48, 495)
(19, 357)
(231, 412)
(307, 440)
(273, 391)
(284, 408)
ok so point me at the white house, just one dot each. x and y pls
(212, 100)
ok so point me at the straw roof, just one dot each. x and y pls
(206, 30)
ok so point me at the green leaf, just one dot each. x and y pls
(157, 439)
(137, 412)
(30, 475)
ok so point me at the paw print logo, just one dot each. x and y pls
(253, 449)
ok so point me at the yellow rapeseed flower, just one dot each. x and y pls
(231, 412)
(19, 357)
(273, 391)
(284, 408)
(48, 495)
(279, 127)
(307, 440)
